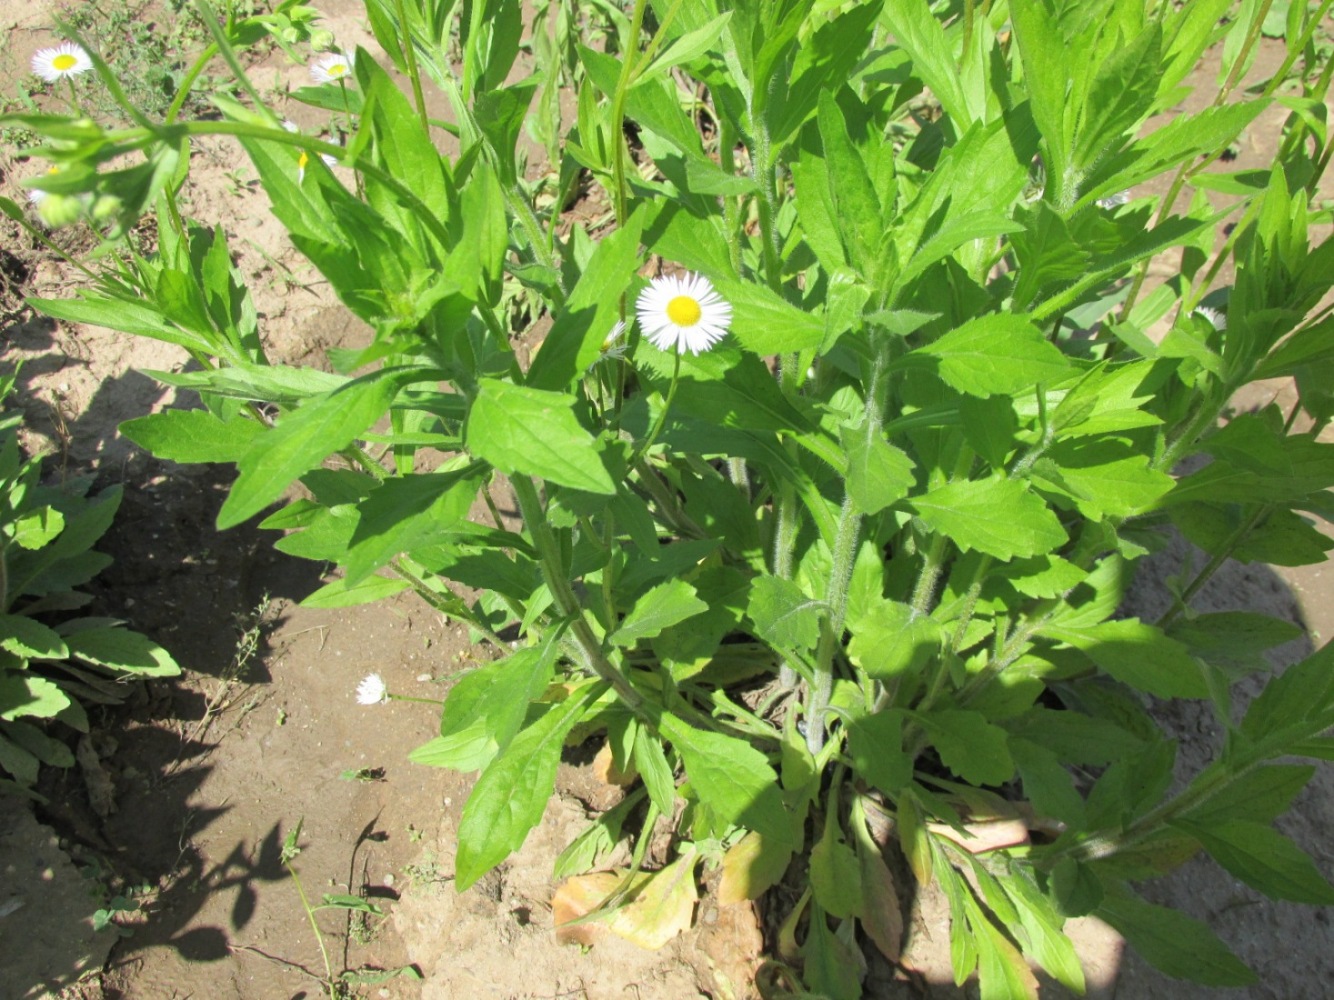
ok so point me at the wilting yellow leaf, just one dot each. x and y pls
(988, 835)
(606, 771)
(577, 897)
(750, 867)
(657, 906)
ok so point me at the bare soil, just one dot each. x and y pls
(209, 774)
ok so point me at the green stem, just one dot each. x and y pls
(407, 697)
(1195, 166)
(553, 574)
(1182, 601)
(658, 424)
(315, 928)
(618, 111)
(409, 53)
(831, 632)
(187, 84)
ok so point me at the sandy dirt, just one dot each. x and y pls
(211, 772)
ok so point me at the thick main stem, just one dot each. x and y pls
(553, 574)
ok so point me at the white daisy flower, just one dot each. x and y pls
(683, 312)
(332, 67)
(371, 690)
(1216, 319)
(65, 59)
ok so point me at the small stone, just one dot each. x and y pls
(389, 880)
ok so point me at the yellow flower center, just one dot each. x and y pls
(337, 69)
(64, 62)
(684, 311)
(302, 160)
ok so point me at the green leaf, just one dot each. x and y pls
(121, 649)
(22, 694)
(658, 609)
(997, 354)
(1174, 943)
(836, 875)
(30, 639)
(36, 528)
(511, 794)
(879, 474)
(733, 781)
(651, 761)
(783, 615)
(832, 965)
(405, 511)
(889, 640)
(1293, 700)
(486, 708)
(342, 594)
(969, 745)
(856, 206)
(765, 323)
(193, 435)
(305, 437)
(1259, 796)
(1262, 858)
(1042, 926)
(875, 744)
(582, 325)
(998, 516)
(534, 432)
(1233, 638)
(1139, 655)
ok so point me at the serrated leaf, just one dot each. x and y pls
(121, 649)
(969, 745)
(783, 615)
(879, 474)
(30, 639)
(733, 781)
(765, 323)
(660, 608)
(997, 354)
(534, 432)
(511, 794)
(1139, 655)
(1174, 943)
(303, 438)
(998, 516)
(889, 640)
(875, 744)
(1262, 858)
(193, 435)
(36, 528)
(342, 594)
(22, 695)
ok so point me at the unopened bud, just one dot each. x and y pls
(59, 210)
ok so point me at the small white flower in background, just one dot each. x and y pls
(1216, 319)
(683, 313)
(613, 345)
(65, 59)
(371, 690)
(329, 160)
(36, 195)
(332, 67)
(290, 126)
(1114, 200)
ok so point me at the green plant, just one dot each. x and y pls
(337, 986)
(847, 582)
(54, 665)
